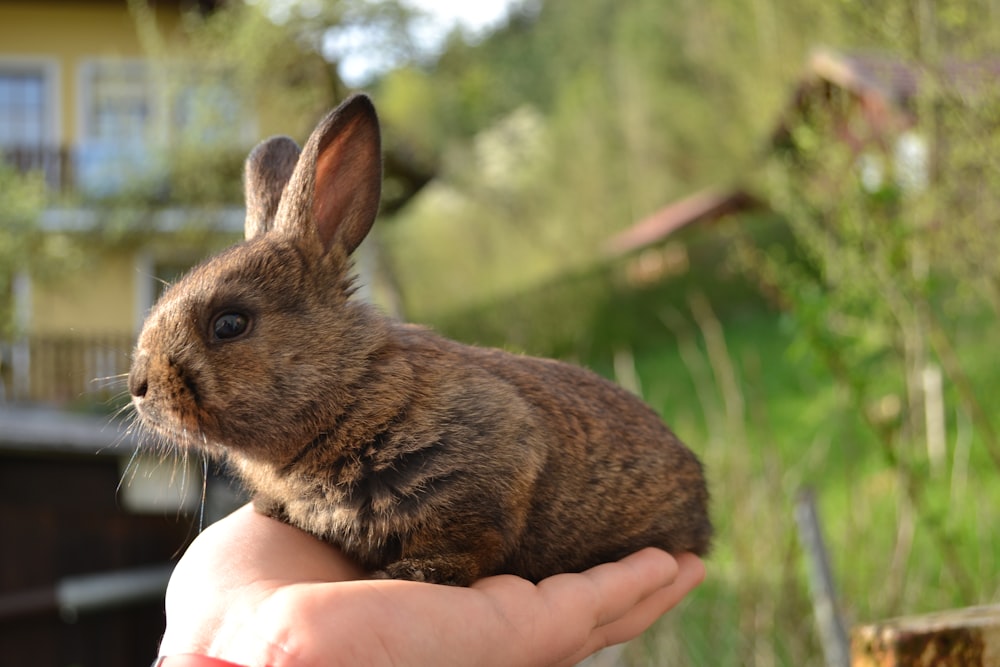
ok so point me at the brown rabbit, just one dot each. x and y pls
(422, 458)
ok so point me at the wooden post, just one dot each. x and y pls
(832, 633)
(957, 638)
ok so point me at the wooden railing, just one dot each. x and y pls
(54, 162)
(103, 171)
(65, 370)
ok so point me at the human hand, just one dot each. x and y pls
(257, 592)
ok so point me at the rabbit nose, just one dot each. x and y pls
(138, 383)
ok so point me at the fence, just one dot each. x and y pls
(61, 370)
(54, 162)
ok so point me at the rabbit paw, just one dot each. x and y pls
(430, 570)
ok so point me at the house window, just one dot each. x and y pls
(129, 117)
(117, 128)
(23, 108)
(28, 132)
(118, 106)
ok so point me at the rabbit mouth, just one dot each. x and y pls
(178, 427)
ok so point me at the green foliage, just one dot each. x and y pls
(789, 424)
(21, 242)
(887, 290)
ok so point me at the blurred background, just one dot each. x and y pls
(775, 220)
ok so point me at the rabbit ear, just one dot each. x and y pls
(337, 183)
(268, 169)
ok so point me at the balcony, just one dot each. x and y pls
(101, 171)
(85, 372)
(54, 163)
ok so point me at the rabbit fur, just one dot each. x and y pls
(422, 458)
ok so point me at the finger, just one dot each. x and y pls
(637, 619)
(621, 585)
(644, 613)
(571, 606)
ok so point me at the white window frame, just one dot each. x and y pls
(85, 95)
(106, 166)
(165, 89)
(52, 74)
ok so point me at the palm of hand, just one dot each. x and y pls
(232, 596)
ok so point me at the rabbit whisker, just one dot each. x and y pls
(117, 417)
(204, 493)
(181, 461)
(132, 466)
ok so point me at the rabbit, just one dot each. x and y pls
(421, 458)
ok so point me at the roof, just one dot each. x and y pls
(703, 206)
(899, 80)
(888, 77)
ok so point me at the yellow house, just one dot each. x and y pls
(81, 102)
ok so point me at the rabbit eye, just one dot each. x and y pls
(227, 326)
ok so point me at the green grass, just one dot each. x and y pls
(797, 429)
